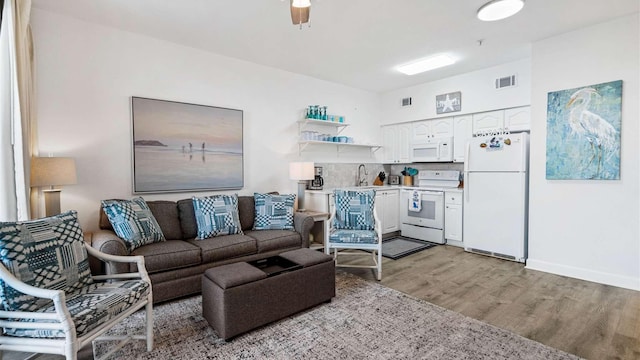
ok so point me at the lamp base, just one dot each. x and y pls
(52, 202)
(302, 186)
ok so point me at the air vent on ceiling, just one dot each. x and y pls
(406, 101)
(505, 82)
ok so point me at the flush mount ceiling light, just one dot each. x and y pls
(300, 10)
(499, 9)
(426, 64)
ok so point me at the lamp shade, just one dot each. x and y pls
(301, 171)
(301, 3)
(50, 171)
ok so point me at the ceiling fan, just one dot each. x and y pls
(300, 10)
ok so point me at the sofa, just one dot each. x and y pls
(175, 266)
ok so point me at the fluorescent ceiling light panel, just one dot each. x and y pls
(427, 64)
(499, 9)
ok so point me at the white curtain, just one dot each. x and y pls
(16, 115)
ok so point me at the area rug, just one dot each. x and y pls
(364, 321)
(398, 247)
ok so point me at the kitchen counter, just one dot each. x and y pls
(385, 187)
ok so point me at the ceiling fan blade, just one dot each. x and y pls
(299, 15)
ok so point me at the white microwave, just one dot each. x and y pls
(433, 150)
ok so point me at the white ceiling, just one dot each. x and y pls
(353, 42)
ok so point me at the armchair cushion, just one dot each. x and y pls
(273, 212)
(92, 306)
(133, 221)
(46, 253)
(353, 237)
(217, 215)
(354, 209)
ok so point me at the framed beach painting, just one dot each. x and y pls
(583, 132)
(180, 147)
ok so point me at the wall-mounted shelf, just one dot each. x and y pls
(304, 123)
(340, 147)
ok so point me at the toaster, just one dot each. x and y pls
(394, 179)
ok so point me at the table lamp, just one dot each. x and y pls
(52, 171)
(301, 171)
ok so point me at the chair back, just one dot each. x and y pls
(354, 209)
(46, 253)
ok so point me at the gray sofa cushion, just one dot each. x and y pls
(268, 240)
(168, 255)
(246, 210)
(166, 214)
(187, 217)
(225, 247)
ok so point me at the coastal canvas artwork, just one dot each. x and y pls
(583, 132)
(179, 147)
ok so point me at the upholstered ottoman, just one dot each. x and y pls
(239, 297)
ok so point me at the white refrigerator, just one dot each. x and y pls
(496, 187)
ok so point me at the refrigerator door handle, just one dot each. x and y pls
(466, 169)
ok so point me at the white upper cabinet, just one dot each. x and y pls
(518, 119)
(420, 131)
(396, 142)
(488, 121)
(425, 129)
(404, 143)
(442, 127)
(462, 131)
(390, 144)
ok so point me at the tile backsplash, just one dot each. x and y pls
(345, 175)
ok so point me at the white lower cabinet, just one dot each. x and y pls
(388, 205)
(453, 218)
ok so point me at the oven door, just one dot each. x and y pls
(431, 213)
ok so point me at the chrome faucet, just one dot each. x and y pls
(362, 181)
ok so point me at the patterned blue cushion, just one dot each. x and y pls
(273, 212)
(217, 215)
(92, 306)
(354, 209)
(46, 253)
(133, 221)
(353, 236)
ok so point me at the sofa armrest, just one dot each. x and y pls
(303, 223)
(108, 242)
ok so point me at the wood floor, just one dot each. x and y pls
(590, 320)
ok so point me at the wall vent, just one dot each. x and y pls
(406, 102)
(505, 82)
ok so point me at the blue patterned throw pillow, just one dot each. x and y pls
(133, 221)
(273, 212)
(354, 209)
(217, 215)
(46, 253)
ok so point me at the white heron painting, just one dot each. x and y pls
(583, 132)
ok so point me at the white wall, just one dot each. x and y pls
(587, 229)
(87, 74)
(477, 88)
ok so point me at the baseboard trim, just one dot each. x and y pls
(626, 282)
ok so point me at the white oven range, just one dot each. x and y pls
(426, 221)
(426, 224)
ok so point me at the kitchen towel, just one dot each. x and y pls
(415, 203)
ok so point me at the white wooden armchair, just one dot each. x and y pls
(354, 224)
(51, 303)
